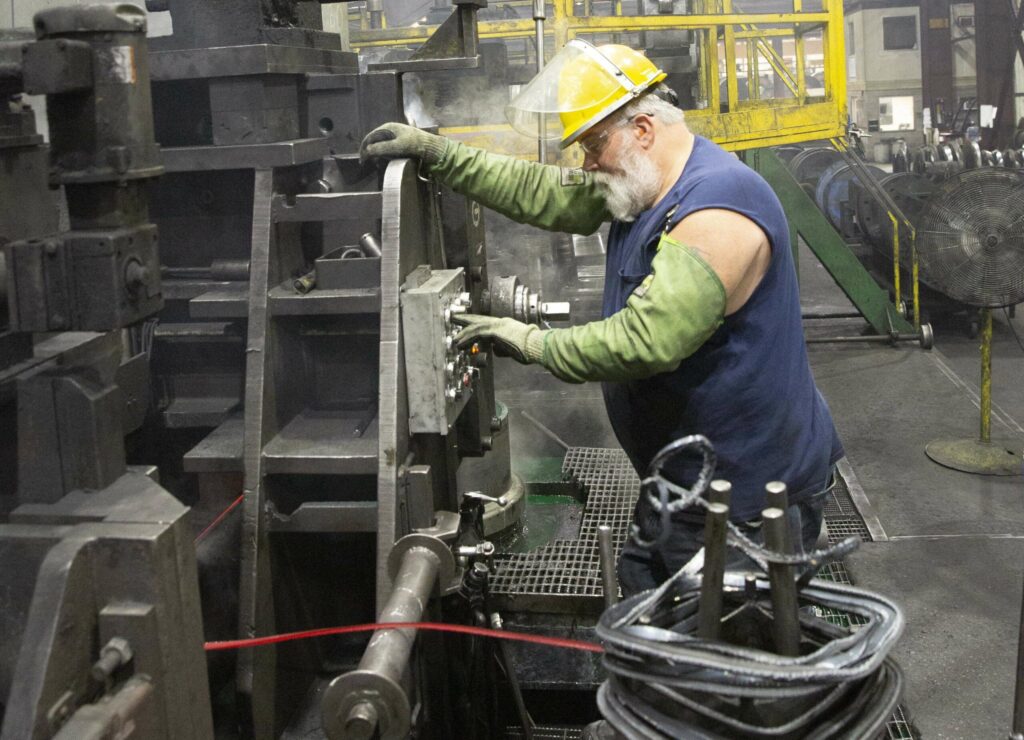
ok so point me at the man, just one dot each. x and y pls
(701, 330)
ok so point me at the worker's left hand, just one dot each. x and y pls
(397, 140)
(522, 342)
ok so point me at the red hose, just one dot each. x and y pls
(464, 629)
(220, 517)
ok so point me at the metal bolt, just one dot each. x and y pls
(116, 653)
(51, 248)
(362, 721)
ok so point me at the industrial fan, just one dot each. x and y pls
(970, 239)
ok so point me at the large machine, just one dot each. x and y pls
(260, 321)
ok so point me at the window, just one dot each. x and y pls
(899, 32)
(896, 114)
(851, 46)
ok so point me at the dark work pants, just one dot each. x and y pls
(641, 570)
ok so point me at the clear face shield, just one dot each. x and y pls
(579, 87)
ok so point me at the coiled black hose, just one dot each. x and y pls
(664, 682)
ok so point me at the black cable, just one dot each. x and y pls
(665, 682)
(504, 656)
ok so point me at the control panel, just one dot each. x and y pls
(439, 375)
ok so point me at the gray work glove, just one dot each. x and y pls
(522, 342)
(397, 141)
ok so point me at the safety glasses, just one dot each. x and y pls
(594, 144)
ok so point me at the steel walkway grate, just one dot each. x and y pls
(569, 571)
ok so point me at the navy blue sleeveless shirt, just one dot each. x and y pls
(749, 388)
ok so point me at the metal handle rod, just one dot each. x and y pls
(606, 550)
(538, 21)
(786, 620)
(709, 610)
(869, 338)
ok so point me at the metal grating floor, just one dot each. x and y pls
(570, 570)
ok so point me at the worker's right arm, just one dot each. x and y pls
(549, 197)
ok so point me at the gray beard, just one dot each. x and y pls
(633, 189)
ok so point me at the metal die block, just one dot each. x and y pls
(84, 280)
(343, 107)
(54, 66)
(439, 376)
(254, 110)
(333, 270)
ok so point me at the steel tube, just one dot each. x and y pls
(609, 583)
(720, 492)
(370, 245)
(777, 496)
(371, 701)
(389, 650)
(785, 617)
(538, 31)
(870, 338)
(1018, 700)
(709, 609)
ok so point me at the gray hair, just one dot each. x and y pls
(653, 104)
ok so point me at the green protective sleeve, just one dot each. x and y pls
(666, 319)
(549, 197)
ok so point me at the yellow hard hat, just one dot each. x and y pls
(581, 86)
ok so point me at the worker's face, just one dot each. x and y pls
(622, 168)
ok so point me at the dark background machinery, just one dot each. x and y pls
(205, 293)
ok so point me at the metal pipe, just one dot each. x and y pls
(538, 23)
(986, 375)
(721, 491)
(376, 12)
(777, 496)
(785, 617)
(389, 650)
(370, 701)
(1018, 701)
(606, 550)
(370, 245)
(890, 338)
(709, 610)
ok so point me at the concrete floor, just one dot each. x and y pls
(954, 558)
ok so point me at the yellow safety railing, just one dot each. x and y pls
(724, 29)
